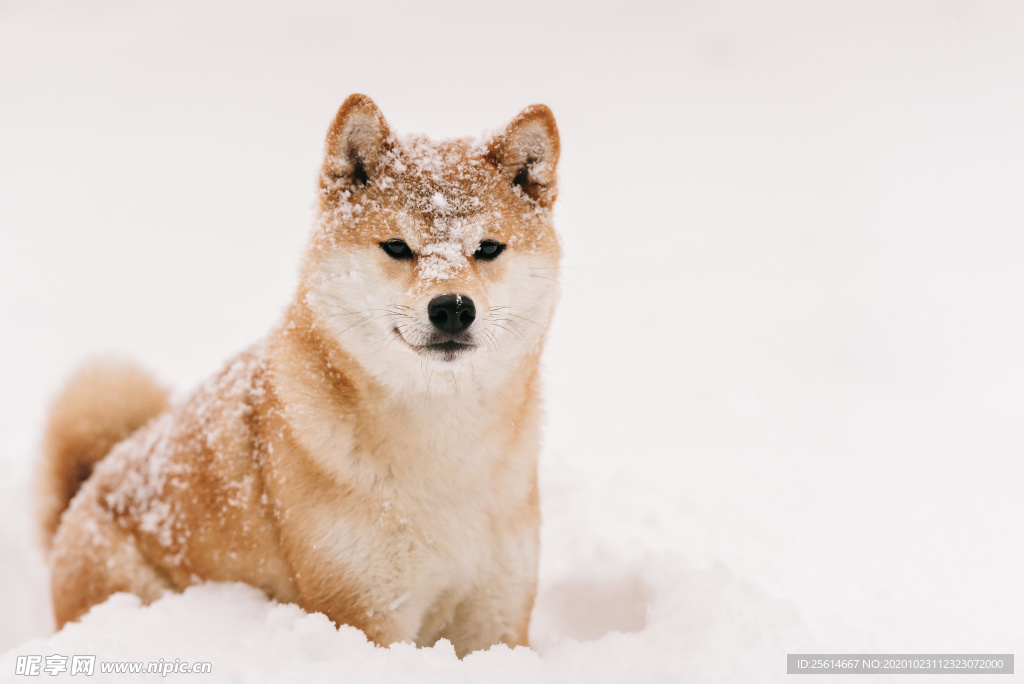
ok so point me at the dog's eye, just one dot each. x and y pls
(396, 249)
(488, 250)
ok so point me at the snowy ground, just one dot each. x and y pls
(784, 384)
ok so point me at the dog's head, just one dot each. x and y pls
(435, 255)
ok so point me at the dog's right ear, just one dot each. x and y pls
(356, 142)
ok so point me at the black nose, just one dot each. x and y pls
(451, 313)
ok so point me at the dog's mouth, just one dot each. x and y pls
(446, 349)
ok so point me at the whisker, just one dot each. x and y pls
(511, 332)
(494, 341)
(321, 282)
(357, 323)
(524, 318)
(515, 325)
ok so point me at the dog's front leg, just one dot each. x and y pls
(359, 607)
(497, 609)
(494, 613)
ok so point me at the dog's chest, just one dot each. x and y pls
(426, 508)
(400, 510)
(420, 520)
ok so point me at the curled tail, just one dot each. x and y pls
(102, 403)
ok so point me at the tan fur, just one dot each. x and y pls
(104, 402)
(341, 464)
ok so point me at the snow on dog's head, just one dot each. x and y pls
(435, 255)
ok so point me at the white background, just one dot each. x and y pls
(791, 332)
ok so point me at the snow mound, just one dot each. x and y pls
(610, 607)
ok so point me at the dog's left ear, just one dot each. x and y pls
(357, 141)
(527, 153)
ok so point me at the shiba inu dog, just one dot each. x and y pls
(375, 457)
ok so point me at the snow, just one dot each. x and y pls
(783, 383)
(615, 606)
(440, 260)
(455, 171)
(440, 203)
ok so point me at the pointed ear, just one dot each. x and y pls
(527, 153)
(356, 141)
